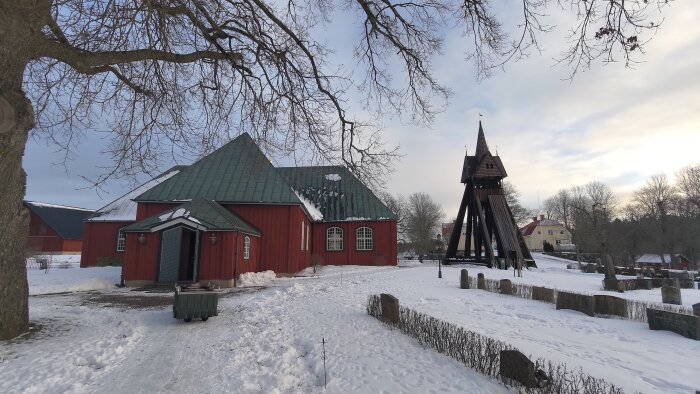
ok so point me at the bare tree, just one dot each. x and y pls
(398, 205)
(423, 220)
(173, 76)
(520, 213)
(688, 185)
(656, 201)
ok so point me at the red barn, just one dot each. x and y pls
(55, 228)
(233, 212)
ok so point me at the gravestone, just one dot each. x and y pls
(390, 308)
(686, 325)
(569, 266)
(516, 366)
(505, 287)
(577, 302)
(696, 309)
(679, 274)
(480, 281)
(643, 284)
(463, 279)
(609, 305)
(613, 284)
(590, 268)
(671, 295)
(686, 283)
(673, 282)
(543, 294)
(656, 282)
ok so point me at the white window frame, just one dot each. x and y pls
(246, 248)
(121, 240)
(308, 235)
(364, 238)
(302, 234)
(334, 239)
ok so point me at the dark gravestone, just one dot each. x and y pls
(480, 281)
(686, 325)
(569, 266)
(679, 274)
(613, 285)
(463, 279)
(590, 268)
(673, 282)
(696, 309)
(390, 308)
(577, 302)
(543, 294)
(671, 295)
(643, 284)
(505, 287)
(609, 305)
(516, 366)
(686, 283)
(656, 282)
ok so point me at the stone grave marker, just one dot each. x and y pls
(463, 279)
(671, 295)
(505, 287)
(609, 268)
(643, 284)
(696, 309)
(480, 281)
(516, 366)
(590, 268)
(390, 308)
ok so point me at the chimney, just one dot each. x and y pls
(541, 217)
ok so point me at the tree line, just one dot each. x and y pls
(663, 217)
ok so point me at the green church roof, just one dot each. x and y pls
(238, 172)
(336, 193)
(200, 213)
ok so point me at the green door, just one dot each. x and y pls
(170, 255)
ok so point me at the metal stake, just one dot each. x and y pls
(325, 377)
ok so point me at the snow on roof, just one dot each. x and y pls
(47, 205)
(313, 211)
(333, 177)
(653, 258)
(123, 209)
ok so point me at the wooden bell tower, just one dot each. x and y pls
(488, 218)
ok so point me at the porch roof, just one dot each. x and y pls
(199, 213)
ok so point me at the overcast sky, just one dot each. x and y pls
(610, 124)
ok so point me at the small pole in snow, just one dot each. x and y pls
(325, 376)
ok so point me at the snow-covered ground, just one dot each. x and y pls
(269, 339)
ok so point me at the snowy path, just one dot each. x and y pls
(269, 341)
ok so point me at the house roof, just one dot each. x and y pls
(123, 208)
(238, 172)
(529, 228)
(199, 213)
(64, 220)
(650, 258)
(336, 193)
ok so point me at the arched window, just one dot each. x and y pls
(246, 248)
(121, 240)
(363, 238)
(334, 239)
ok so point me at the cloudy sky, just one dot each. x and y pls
(610, 124)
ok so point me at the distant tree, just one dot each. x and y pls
(688, 185)
(521, 214)
(423, 219)
(397, 204)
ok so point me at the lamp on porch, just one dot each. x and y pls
(212, 238)
(142, 239)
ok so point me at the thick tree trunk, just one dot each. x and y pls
(16, 119)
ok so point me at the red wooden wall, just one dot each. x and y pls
(384, 244)
(218, 261)
(280, 225)
(100, 240)
(42, 238)
(141, 260)
(146, 210)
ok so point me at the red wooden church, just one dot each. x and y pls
(55, 228)
(233, 212)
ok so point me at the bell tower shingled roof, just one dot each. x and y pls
(481, 147)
